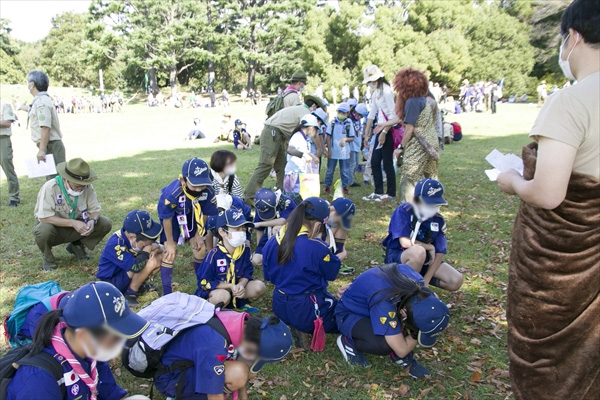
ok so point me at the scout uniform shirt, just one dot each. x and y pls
(174, 204)
(42, 113)
(287, 119)
(215, 266)
(51, 202)
(7, 115)
(361, 300)
(339, 130)
(116, 260)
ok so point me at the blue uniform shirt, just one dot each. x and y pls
(362, 301)
(339, 130)
(213, 269)
(207, 349)
(173, 202)
(117, 256)
(36, 383)
(283, 210)
(311, 266)
(237, 136)
(403, 222)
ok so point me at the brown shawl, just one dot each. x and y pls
(553, 306)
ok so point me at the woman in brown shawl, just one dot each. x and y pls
(554, 273)
(418, 118)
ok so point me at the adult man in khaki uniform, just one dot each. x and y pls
(291, 94)
(68, 211)
(43, 119)
(6, 152)
(273, 144)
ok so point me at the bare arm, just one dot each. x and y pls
(60, 222)
(168, 228)
(401, 345)
(408, 132)
(433, 267)
(273, 222)
(6, 123)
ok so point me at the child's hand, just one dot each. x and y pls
(343, 142)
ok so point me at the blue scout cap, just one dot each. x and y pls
(211, 224)
(352, 102)
(321, 114)
(275, 343)
(238, 122)
(320, 208)
(362, 109)
(431, 316)
(345, 208)
(195, 171)
(265, 202)
(140, 222)
(344, 107)
(233, 217)
(431, 192)
(100, 304)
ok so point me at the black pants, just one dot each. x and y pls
(493, 106)
(386, 153)
(368, 342)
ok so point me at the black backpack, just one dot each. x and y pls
(19, 356)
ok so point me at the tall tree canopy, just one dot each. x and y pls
(11, 67)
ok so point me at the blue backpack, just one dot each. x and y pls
(27, 297)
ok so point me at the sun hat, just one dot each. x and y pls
(140, 222)
(372, 73)
(309, 120)
(352, 102)
(362, 109)
(321, 114)
(77, 171)
(343, 107)
(298, 76)
(316, 99)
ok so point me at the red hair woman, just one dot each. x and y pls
(411, 86)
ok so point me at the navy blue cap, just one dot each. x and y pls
(344, 107)
(345, 208)
(196, 172)
(431, 316)
(233, 217)
(265, 202)
(211, 224)
(275, 343)
(430, 192)
(100, 304)
(238, 122)
(320, 208)
(140, 222)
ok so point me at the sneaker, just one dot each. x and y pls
(415, 369)
(248, 309)
(372, 197)
(327, 190)
(351, 355)
(132, 300)
(346, 270)
(302, 340)
(385, 197)
(13, 203)
(48, 264)
(356, 184)
(345, 191)
(78, 251)
(146, 288)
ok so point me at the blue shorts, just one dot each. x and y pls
(120, 280)
(176, 231)
(261, 244)
(299, 310)
(346, 319)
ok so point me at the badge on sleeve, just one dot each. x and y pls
(394, 324)
(59, 199)
(327, 258)
(392, 314)
(222, 262)
(382, 320)
(219, 369)
(435, 227)
(203, 197)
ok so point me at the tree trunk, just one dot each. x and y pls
(210, 47)
(173, 79)
(152, 84)
(251, 73)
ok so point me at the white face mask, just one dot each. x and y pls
(302, 89)
(73, 192)
(564, 64)
(102, 354)
(425, 211)
(373, 85)
(237, 239)
(229, 171)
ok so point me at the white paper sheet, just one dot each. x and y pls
(502, 163)
(36, 170)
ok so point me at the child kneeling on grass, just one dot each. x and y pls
(417, 237)
(388, 311)
(131, 256)
(225, 275)
(342, 212)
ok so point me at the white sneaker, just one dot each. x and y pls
(385, 197)
(372, 196)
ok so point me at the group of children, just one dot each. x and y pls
(300, 244)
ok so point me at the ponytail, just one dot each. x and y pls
(43, 333)
(298, 128)
(294, 223)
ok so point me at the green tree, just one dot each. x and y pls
(11, 68)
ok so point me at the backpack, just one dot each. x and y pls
(276, 103)
(27, 297)
(457, 131)
(168, 316)
(21, 356)
(346, 126)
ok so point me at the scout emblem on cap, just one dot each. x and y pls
(199, 170)
(149, 223)
(119, 303)
(433, 191)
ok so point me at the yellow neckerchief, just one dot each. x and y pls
(197, 210)
(281, 233)
(237, 253)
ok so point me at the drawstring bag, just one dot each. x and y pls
(318, 337)
(310, 185)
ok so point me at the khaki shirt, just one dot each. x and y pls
(51, 202)
(572, 116)
(42, 113)
(291, 99)
(7, 115)
(287, 119)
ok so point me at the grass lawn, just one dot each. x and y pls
(139, 151)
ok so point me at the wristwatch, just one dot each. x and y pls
(400, 146)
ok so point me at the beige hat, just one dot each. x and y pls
(372, 73)
(77, 171)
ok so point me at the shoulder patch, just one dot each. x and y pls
(167, 202)
(394, 324)
(392, 314)
(327, 258)
(219, 369)
(383, 320)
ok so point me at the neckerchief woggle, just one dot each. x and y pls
(237, 253)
